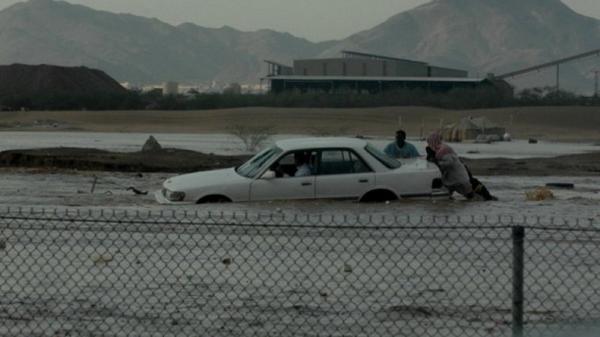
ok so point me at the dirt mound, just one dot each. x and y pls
(164, 160)
(151, 145)
(27, 83)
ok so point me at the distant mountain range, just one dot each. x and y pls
(479, 35)
(138, 49)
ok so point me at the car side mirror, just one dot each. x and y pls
(268, 175)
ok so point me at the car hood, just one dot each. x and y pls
(202, 179)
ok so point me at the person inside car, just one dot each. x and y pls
(302, 167)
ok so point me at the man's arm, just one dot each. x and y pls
(414, 151)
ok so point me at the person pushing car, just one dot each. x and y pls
(401, 149)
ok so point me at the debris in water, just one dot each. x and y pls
(561, 185)
(136, 191)
(533, 141)
(227, 261)
(539, 194)
(94, 185)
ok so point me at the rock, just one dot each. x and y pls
(151, 145)
(533, 141)
(540, 194)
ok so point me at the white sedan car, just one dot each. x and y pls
(308, 168)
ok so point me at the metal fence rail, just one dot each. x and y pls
(73, 273)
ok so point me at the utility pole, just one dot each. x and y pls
(557, 77)
(596, 83)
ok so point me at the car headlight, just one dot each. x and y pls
(173, 195)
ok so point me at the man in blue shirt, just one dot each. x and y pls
(400, 148)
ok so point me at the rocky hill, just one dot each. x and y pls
(138, 49)
(479, 35)
(484, 35)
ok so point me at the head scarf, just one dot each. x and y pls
(435, 143)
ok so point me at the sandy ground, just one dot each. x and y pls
(551, 123)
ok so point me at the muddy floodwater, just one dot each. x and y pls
(147, 278)
(111, 279)
(43, 189)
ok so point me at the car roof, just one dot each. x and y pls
(320, 143)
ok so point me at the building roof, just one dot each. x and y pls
(349, 53)
(320, 142)
(374, 78)
(277, 64)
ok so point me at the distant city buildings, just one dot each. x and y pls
(174, 88)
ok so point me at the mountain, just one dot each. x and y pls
(138, 49)
(483, 35)
(479, 35)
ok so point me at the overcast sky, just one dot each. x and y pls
(316, 20)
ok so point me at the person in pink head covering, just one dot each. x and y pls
(454, 173)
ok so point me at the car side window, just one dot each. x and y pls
(341, 162)
(295, 164)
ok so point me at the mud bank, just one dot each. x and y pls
(165, 160)
(570, 165)
(181, 161)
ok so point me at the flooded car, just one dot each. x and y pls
(308, 168)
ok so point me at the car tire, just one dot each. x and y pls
(214, 199)
(379, 196)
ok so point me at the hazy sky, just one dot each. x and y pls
(313, 19)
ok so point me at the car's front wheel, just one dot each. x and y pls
(214, 199)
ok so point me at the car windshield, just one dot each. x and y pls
(250, 168)
(383, 158)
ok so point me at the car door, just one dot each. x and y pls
(269, 187)
(342, 174)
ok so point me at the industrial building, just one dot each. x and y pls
(362, 72)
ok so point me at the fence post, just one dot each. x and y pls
(518, 237)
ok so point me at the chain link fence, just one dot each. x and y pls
(98, 273)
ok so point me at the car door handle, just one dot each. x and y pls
(363, 181)
(306, 183)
